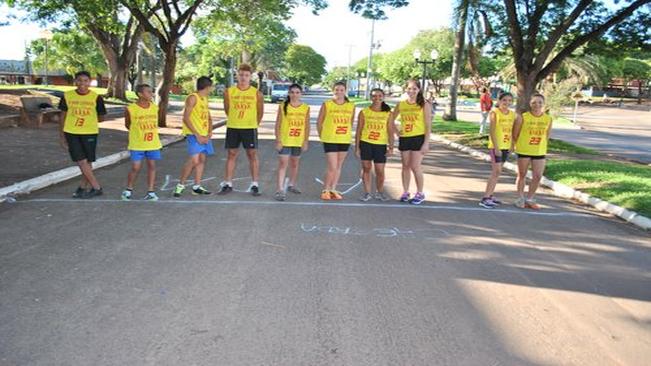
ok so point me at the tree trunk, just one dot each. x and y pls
(168, 81)
(639, 91)
(118, 82)
(457, 61)
(526, 85)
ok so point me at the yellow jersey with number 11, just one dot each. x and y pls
(243, 108)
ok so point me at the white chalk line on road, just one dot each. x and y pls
(310, 204)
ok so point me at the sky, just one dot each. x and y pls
(334, 33)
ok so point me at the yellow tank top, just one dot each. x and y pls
(143, 132)
(81, 117)
(243, 111)
(503, 129)
(533, 135)
(412, 119)
(199, 117)
(338, 122)
(292, 125)
(375, 127)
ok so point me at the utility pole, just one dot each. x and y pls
(367, 92)
(350, 49)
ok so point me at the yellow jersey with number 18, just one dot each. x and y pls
(375, 129)
(503, 129)
(412, 119)
(533, 134)
(338, 122)
(292, 125)
(199, 117)
(81, 116)
(243, 108)
(143, 132)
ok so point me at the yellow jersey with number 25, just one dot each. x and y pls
(338, 122)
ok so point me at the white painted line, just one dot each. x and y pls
(310, 204)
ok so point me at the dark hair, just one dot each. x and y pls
(245, 67)
(286, 103)
(385, 107)
(504, 95)
(82, 73)
(420, 99)
(203, 82)
(141, 87)
(342, 83)
(538, 95)
(484, 90)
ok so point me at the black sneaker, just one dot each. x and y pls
(79, 193)
(225, 189)
(93, 193)
(200, 191)
(255, 191)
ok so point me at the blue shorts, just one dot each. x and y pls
(138, 155)
(194, 147)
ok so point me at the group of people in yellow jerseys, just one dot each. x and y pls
(526, 134)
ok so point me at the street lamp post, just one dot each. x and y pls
(417, 57)
(369, 64)
(47, 36)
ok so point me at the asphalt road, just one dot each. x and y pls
(242, 280)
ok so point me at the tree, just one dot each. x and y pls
(637, 70)
(63, 53)
(304, 65)
(336, 74)
(117, 39)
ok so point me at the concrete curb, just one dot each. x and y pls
(27, 186)
(559, 189)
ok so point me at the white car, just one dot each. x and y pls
(279, 92)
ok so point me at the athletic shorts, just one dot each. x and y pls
(81, 147)
(138, 155)
(375, 152)
(532, 157)
(248, 137)
(329, 147)
(499, 159)
(413, 143)
(194, 147)
(290, 150)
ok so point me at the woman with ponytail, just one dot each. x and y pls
(373, 140)
(415, 115)
(335, 125)
(292, 133)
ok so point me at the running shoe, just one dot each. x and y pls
(419, 198)
(531, 204)
(325, 195)
(179, 190)
(79, 193)
(126, 195)
(200, 191)
(519, 203)
(336, 195)
(495, 200)
(93, 193)
(366, 197)
(225, 189)
(255, 191)
(486, 202)
(151, 196)
(382, 196)
(404, 197)
(280, 196)
(294, 190)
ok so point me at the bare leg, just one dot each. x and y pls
(293, 170)
(379, 177)
(496, 170)
(282, 169)
(187, 169)
(254, 164)
(406, 170)
(87, 171)
(366, 175)
(341, 157)
(331, 167)
(199, 165)
(537, 167)
(417, 169)
(133, 173)
(151, 174)
(521, 180)
(230, 164)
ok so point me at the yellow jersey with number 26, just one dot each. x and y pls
(292, 125)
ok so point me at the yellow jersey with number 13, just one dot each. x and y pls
(143, 132)
(81, 116)
(533, 134)
(199, 116)
(338, 122)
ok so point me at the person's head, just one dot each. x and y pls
(144, 92)
(377, 98)
(414, 92)
(484, 90)
(537, 103)
(293, 95)
(339, 91)
(244, 73)
(82, 81)
(204, 85)
(504, 100)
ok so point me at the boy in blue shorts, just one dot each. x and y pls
(141, 119)
(197, 128)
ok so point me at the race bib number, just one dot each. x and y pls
(535, 141)
(374, 135)
(409, 127)
(79, 122)
(341, 130)
(149, 136)
(294, 132)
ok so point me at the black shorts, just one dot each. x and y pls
(81, 147)
(329, 147)
(413, 143)
(375, 152)
(499, 159)
(532, 157)
(248, 137)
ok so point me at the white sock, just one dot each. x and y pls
(254, 184)
(196, 186)
(225, 183)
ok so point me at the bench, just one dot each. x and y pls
(37, 110)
